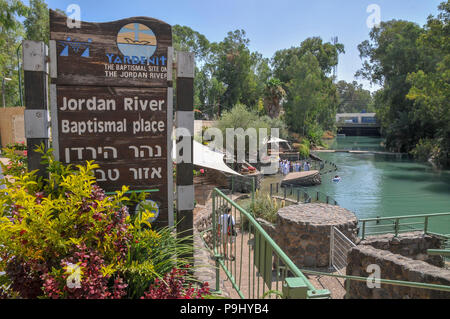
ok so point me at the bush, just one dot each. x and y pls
(62, 237)
(430, 150)
(265, 207)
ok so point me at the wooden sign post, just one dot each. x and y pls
(36, 100)
(112, 102)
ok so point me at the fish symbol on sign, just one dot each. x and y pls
(76, 47)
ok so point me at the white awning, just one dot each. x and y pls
(204, 157)
(276, 140)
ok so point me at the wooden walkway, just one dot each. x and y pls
(299, 176)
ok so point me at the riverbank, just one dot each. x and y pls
(379, 183)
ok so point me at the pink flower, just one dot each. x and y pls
(202, 171)
(25, 153)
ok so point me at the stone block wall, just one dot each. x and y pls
(243, 184)
(395, 267)
(303, 231)
(413, 245)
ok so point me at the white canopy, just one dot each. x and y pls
(205, 157)
(276, 140)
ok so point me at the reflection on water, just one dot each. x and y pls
(384, 185)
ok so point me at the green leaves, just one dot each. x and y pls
(412, 63)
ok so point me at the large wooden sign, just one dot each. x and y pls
(111, 103)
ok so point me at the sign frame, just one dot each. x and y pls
(57, 83)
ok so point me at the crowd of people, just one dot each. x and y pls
(287, 167)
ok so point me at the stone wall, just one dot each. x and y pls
(395, 267)
(303, 231)
(243, 184)
(413, 245)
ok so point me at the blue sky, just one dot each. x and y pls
(270, 25)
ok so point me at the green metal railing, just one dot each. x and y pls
(300, 194)
(389, 282)
(252, 262)
(397, 225)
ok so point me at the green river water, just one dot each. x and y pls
(385, 185)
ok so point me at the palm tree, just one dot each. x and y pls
(273, 97)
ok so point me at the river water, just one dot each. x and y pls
(385, 185)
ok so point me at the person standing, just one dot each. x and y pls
(227, 232)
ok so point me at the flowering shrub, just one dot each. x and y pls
(173, 287)
(17, 146)
(63, 237)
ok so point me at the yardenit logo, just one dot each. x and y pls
(136, 39)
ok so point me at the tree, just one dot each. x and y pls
(325, 53)
(353, 98)
(274, 94)
(37, 22)
(389, 57)
(232, 66)
(186, 39)
(10, 37)
(8, 11)
(311, 94)
(430, 87)
(311, 98)
(240, 117)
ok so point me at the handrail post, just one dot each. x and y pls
(397, 227)
(295, 288)
(214, 236)
(363, 235)
(425, 230)
(253, 191)
(331, 246)
(347, 288)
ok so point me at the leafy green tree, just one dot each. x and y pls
(311, 94)
(326, 54)
(274, 95)
(430, 88)
(10, 37)
(311, 98)
(186, 39)
(37, 22)
(241, 117)
(353, 98)
(8, 11)
(232, 66)
(389, 57)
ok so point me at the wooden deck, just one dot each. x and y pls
(292, 177)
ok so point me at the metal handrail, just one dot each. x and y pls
(397, 223)
(400, 283)
(287, 262)
(317, 197)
